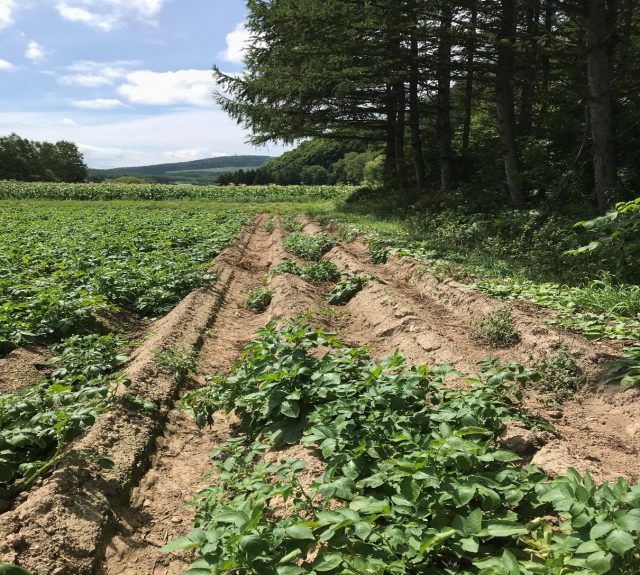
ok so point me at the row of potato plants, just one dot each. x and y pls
(60, 265)
(37, 423)
(414, 478)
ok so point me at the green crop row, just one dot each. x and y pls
(38, 423)
(414, 480)
(61, 265)
(116, 191)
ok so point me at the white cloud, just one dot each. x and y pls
(68, 122)
(98, 104)
(109, 14)
(191, 154)
(109, 157)
(34, 51)
(88, 74)
(6, 66)
(6, 13)
(137, 140)
(191, 87)
(237, 43)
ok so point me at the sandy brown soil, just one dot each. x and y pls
(23, 368)
(86, 520)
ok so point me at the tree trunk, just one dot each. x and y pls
(390, 172)
(531, 69)
(444, 96)
(414, 121)
(599, 34)
(401, 106)
(468, 88)
(505, 101)
(546, 60)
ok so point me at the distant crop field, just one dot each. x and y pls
(112, 191)
(58, 265)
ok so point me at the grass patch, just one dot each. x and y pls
(270, 224)
(291, 223)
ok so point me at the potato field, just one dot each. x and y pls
(258, 380)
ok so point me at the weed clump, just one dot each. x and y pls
(347, 289)
(497, 329)
(177, 363)
(270, 225)
(259, 299)
(308, 247)
(316, 272)
(561, 375)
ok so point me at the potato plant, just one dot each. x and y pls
(413, 480)
(61, 265)
(308, 247)
(37, 423)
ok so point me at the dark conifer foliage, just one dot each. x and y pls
(518, 101)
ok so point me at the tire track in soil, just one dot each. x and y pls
(430, 320)
(157, 512)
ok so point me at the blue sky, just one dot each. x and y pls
(128, 80)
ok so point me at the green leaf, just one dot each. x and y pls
(195, 539)
(6, 569)
(599, 530)
(363, 530)
(510, 561)
(630, 521)
(620, 541)
(470, 545)
(588, 547)
(464, 494)
(253, 545)
(600, 562)
(328, 562)
(290, 408)
(289, 570)
(505, 529)
(474, 522)
(300, 532)
(237, 518)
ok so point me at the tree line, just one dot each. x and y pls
(31, 161)
(524, 100)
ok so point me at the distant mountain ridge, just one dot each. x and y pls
(208, 164)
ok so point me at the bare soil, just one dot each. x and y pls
(23, 368)
(84, 519)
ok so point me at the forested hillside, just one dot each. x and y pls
(484, 102)
(205, 171)
(317, 161)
